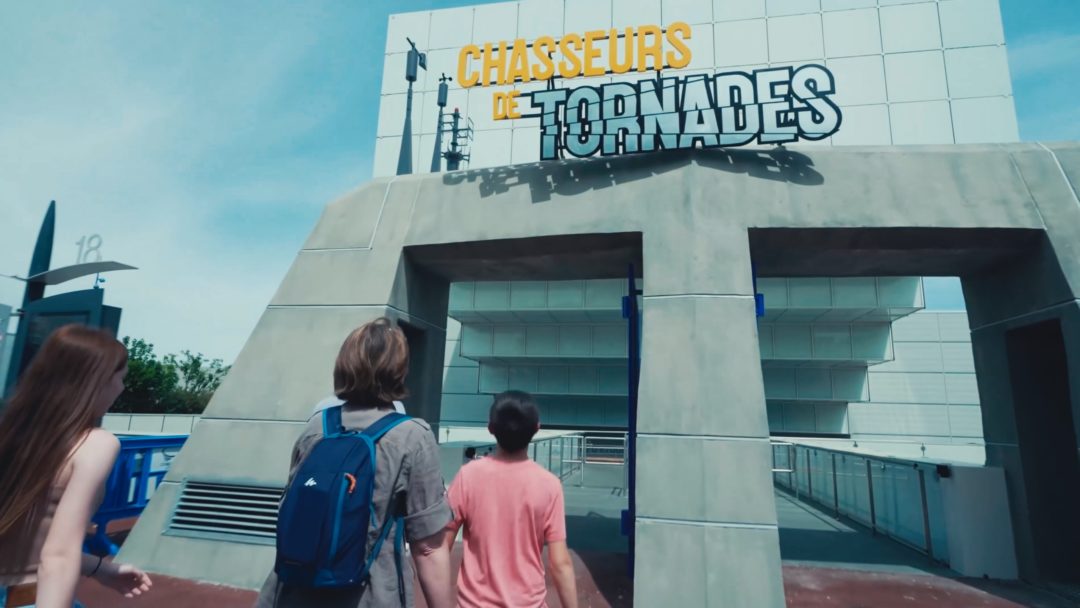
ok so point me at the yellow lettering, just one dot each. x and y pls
(519, 62)
(623, 67)
(570, 67)
(505, 105)
(542, 46)
(494, 61)
(465, 78)
(650, 49)
(498, 112)
(511, 104)
(592, 52)
(682, 59)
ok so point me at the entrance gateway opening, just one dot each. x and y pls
(561, 335)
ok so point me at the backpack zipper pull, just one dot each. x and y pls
(352, 482)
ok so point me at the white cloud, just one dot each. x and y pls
(169, 132)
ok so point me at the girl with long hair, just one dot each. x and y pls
(54, 460)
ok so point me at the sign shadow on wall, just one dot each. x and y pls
(567, 178)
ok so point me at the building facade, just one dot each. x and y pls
(906, 71)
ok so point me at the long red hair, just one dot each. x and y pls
(53, 407)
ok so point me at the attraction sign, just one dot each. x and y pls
(769, 106)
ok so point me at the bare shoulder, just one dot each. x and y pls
(100, 439)
(99, 446)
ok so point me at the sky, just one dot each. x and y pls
(201, 139)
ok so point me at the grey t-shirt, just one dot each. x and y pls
(407, 465)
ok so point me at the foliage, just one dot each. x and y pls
(171, 384)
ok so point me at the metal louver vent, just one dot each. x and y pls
(240, 513)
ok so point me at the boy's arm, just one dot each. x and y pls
(562, 573)
(450, 536)
(456, 498)
(559, 562)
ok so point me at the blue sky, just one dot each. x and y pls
(201, 139)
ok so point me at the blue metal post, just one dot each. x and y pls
(632, 315)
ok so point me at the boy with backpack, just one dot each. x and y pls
(510, 508)
(364, 480)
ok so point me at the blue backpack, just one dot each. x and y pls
(323, 524)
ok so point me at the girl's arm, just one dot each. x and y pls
(61, 556)
(432, 559)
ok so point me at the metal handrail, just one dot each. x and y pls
(581, 448)
(791, 460)
(829, 496)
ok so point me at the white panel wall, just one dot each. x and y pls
(908, 71)
(928, 391)
(537, 336)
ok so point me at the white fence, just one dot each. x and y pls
(150, 424)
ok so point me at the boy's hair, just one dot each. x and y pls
(372, 364)
(513, 420)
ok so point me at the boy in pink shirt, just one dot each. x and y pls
(510, 507)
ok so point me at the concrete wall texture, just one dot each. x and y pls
(1004, 218)
(907, 71)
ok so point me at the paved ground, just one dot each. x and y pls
(602, 583)
(827, 563)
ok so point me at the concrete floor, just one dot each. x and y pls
(602, 583)
(827, 563)
(812, 537)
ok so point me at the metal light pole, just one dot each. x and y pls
(460, 137)
(415, 59)
(436, 156)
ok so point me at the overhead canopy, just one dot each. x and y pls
(57, 276)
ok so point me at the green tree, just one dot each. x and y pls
(150, 382)
(197, 378)
(171, 384)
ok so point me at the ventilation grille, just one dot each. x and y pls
(209, 510)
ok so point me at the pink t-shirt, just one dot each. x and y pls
(510, 510)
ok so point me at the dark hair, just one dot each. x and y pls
(513, 420)
(470, 452)
(372, 364)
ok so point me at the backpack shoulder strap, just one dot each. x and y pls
(377, 429)
(399, 547)
(331, 422)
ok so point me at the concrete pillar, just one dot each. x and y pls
(351, 270)
(1019, 425)
(706, 514)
